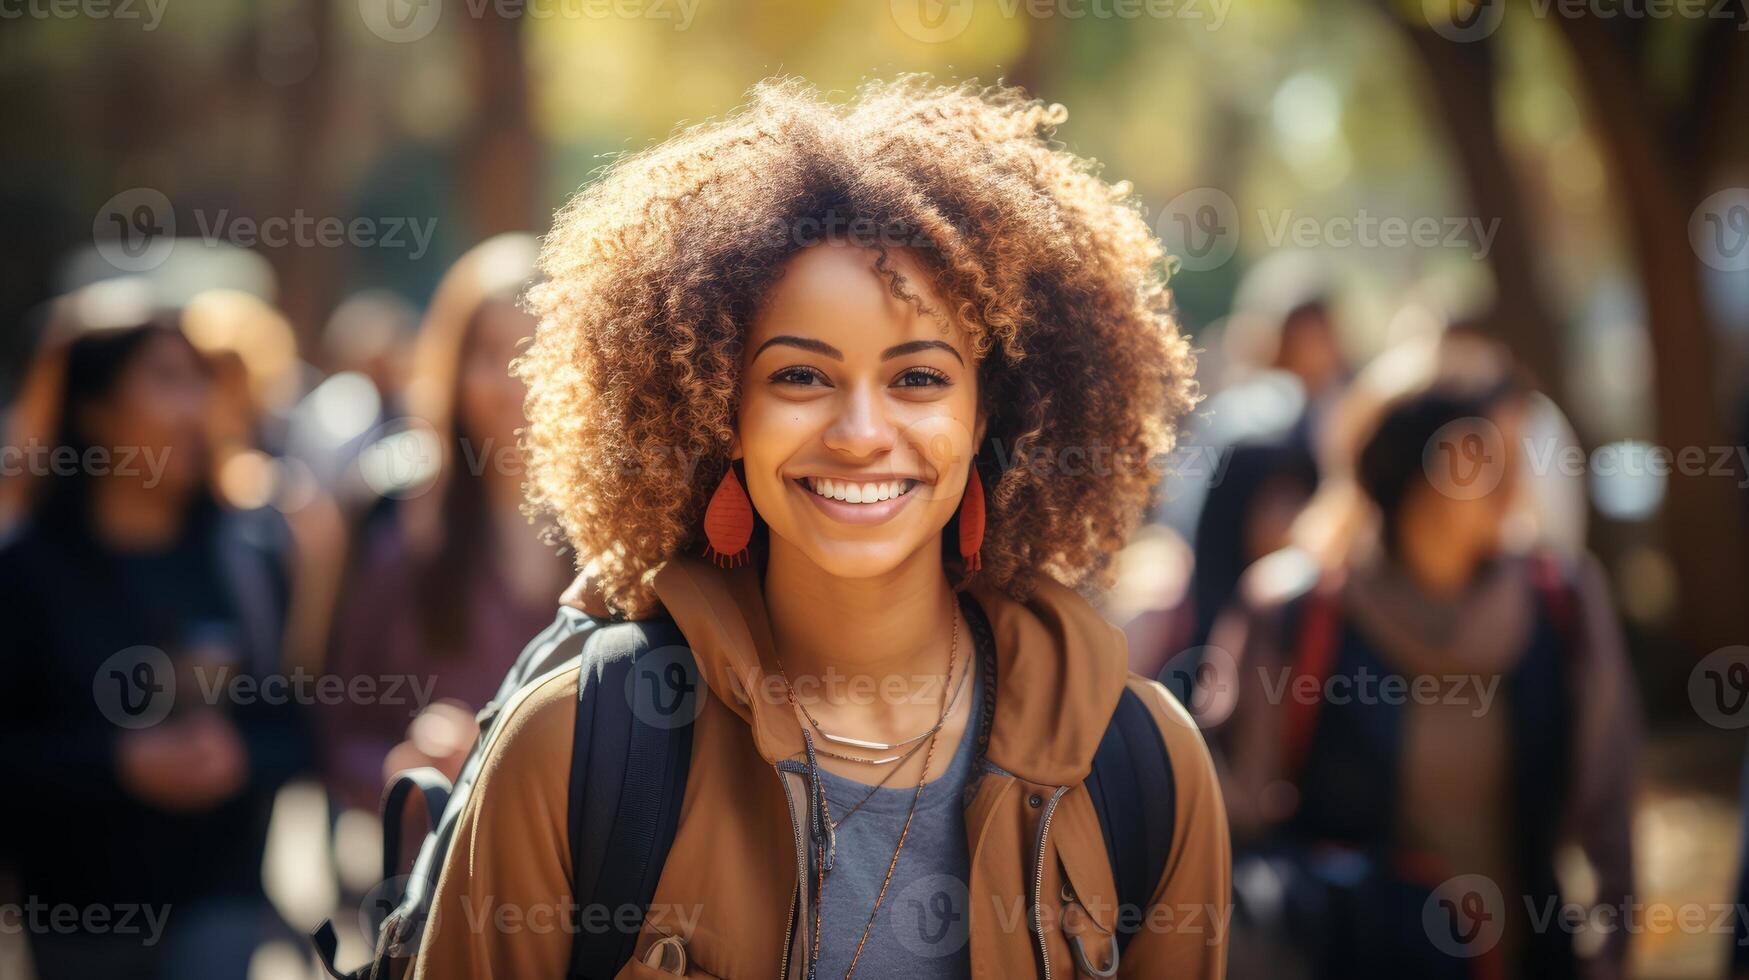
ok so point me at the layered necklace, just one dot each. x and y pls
(907, 748)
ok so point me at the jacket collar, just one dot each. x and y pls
(1060, 668)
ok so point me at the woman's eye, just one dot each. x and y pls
(798, 375)
(919, 377)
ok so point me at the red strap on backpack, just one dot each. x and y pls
(1314, 656)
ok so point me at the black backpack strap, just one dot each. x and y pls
(638, 694)
(1137, 801)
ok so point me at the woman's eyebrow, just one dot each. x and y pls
(805, 343)
(913, 346)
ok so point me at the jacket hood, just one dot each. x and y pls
(1060, 667)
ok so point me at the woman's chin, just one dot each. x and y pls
(855, 560)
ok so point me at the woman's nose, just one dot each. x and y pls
(862, 427)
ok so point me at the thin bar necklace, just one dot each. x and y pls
(904, 831)
(869, 744)
(910, 745)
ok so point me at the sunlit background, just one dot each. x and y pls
(1581, 177)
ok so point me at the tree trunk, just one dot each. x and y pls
(1462, 98)
(500, 158)
(1661, 186)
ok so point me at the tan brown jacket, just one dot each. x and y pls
(730, 884)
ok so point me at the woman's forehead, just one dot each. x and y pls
(837, 293)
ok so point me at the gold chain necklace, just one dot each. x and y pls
(904, 831)
(915, 743)
(869, 744)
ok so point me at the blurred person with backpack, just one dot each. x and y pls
(1424, 705)
(1283, 367)
(145, 732)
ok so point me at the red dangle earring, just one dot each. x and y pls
(972, 521)
(728, 522)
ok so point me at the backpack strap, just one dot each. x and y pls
(1320, 621)
(1137, 801)
(1560, 597)
(638, 693)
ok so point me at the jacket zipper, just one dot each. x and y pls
(1038, 880)
(798, 895)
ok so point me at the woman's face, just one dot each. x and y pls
(859, 414)
(156, 409)
(490, 399)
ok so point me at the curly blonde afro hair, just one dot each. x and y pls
(652, 273)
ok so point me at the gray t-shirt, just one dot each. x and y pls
(920, 933)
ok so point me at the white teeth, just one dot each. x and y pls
(858, 493)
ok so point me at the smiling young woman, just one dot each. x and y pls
(900, 368)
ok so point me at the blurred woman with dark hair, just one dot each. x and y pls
(453, 580)
(1424, 706)
(135, 603)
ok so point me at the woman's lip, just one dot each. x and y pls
(878, 512)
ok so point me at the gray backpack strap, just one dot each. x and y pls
(408, 900)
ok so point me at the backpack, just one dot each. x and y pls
(629, 776)
(1362, 913)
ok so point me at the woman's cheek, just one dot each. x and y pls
(944, 443)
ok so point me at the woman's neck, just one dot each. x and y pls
(896, 625)
(130, 517)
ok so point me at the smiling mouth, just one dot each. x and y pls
(850, 492)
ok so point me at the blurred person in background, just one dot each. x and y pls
(142, 613)
(365, 347)
(449, 584)
(1502, 719)
(252, 358)
(1285, 367)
